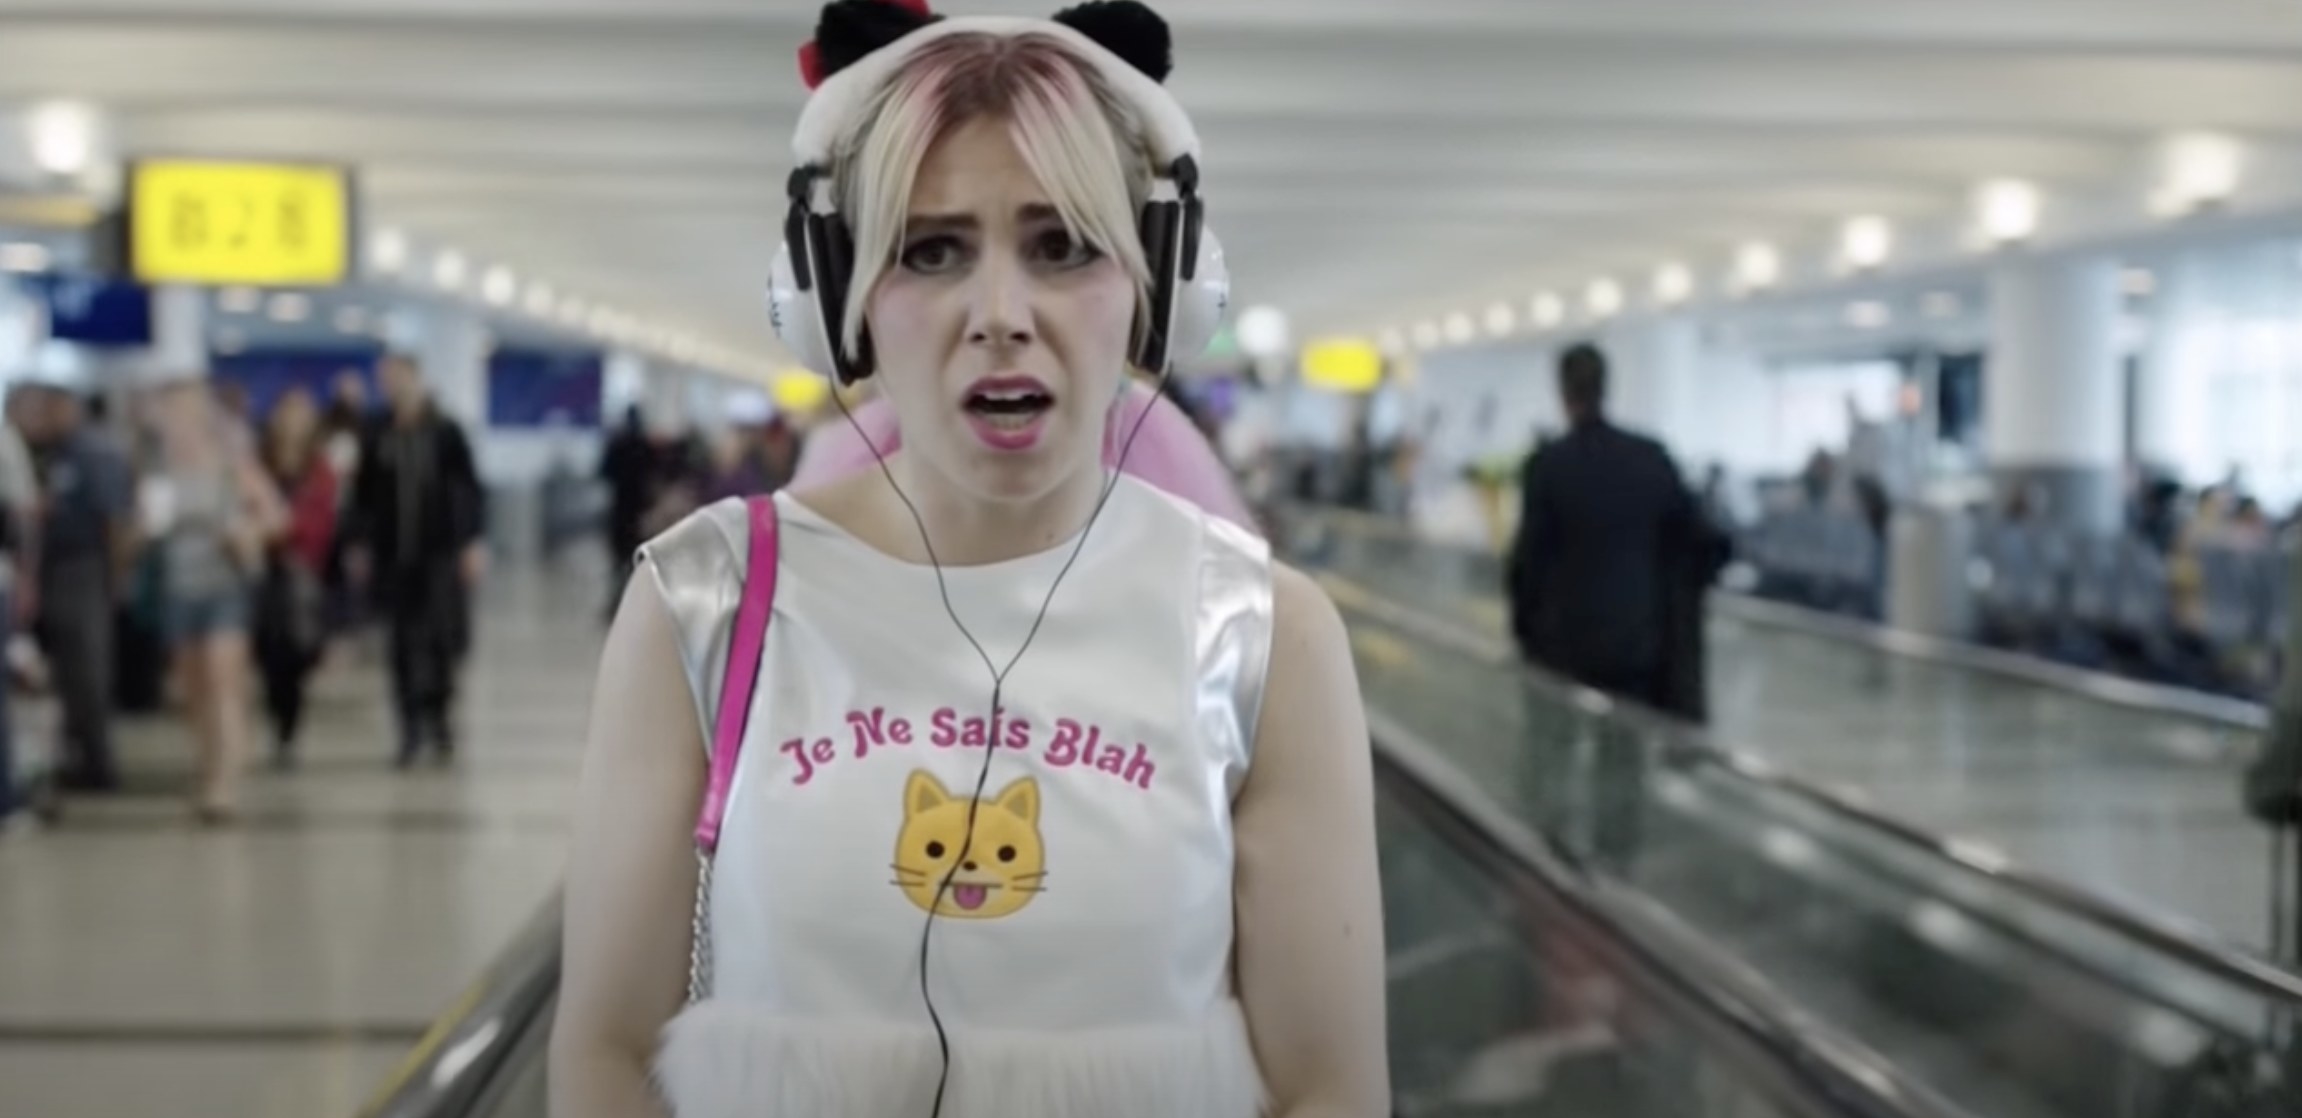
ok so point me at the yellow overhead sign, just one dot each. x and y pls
(1343, 365)
(258, 224)
(799, 391)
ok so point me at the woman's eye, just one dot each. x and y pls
(933, 254)
(1060, 248)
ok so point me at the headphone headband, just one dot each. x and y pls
(832, 112)
(1124, 42)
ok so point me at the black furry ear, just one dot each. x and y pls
(850, 29)
(1128, 29)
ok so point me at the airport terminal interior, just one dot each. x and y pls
(1967, 783)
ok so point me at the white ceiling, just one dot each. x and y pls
(1369, 161)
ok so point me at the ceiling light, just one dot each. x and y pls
(290, 306)
(1866, 242)
(1673, 283)
(2200, 169)
(539, 300)
(1460, 330)
(352, 320)
(2007, 210)
(24, 257)
(1549, 311)
(1501, 320)
(499, 285)
(450, 270)
(1427, 335)
(239, 300)
(388, 250)
(1758, 266)
(1604, 298)
(1262, 332)
(1868, 315)
(1940, 304)
(63, 136)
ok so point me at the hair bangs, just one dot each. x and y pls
(1083, 145)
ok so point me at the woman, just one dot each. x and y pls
(208, 513)
(291, 629)
(1133, 878)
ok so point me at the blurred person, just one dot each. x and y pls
(780, 448)
(733, 469)
(344, 429)
(2274, 781)
(1002, 299)
(19, 563)
(291, 627)
(208, 513)
(413, 529)
(1606, 571)
(87, 537)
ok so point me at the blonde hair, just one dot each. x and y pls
(1087, 148)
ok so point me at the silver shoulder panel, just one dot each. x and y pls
(1232, 640)
(698, 567)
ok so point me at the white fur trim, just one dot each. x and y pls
(831, 112)
(724, 1059)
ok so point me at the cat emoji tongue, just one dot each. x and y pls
(969, 897)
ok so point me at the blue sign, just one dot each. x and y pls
(268, 374)
(95, 311)
(545, 388)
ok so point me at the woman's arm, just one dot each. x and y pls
(631, 874)
(1310, 952)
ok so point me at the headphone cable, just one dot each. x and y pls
(998, 675)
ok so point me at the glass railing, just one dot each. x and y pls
(2003, 991)
(1514, 989)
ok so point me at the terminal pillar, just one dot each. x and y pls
(451, 345)
(2054, 399)
(2169, 424)
(1654, 368)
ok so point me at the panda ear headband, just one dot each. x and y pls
(860, 44)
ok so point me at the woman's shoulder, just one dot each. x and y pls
(706, 545)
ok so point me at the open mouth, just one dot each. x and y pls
(970, 897)
(1008, 409)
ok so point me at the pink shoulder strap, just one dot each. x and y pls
(742, 679)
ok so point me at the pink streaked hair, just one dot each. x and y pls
(1169, 453)
(1082, 144)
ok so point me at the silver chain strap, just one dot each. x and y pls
(699, 932)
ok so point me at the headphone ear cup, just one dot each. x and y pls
(797, 316)
(1199, 302)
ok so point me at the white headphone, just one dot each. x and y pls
(808, 295)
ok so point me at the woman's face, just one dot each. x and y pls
(1001, 337)
(296, 417)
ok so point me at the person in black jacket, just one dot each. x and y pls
(414, 532)
(1611, 555)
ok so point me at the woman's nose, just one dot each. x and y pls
(1002, 311)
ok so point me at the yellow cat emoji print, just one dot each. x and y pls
(1005, 867)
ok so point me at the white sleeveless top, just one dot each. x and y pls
(1080, 961)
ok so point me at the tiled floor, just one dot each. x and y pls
(284, 966)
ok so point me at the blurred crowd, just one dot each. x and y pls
(163, 544)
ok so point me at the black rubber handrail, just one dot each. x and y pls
(466, 1049)
(2242, 969)
(1731, 1002)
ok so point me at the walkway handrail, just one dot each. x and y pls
(2236, 966)
(1732, 1001)
(2110, 690)
(466, 1048)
